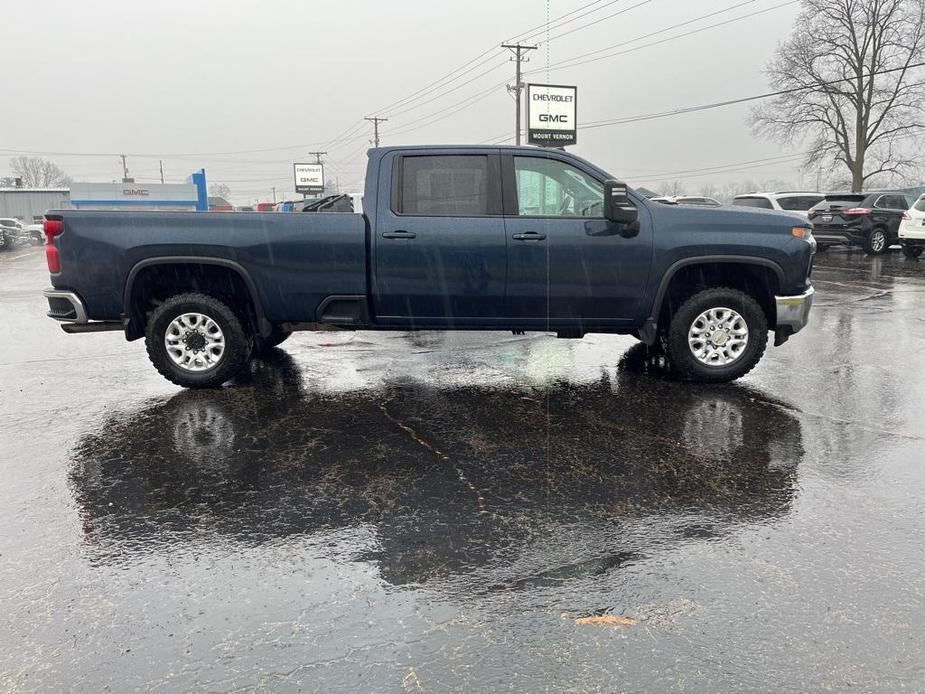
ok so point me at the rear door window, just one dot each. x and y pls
(920, 205)
(456, 185)
(891, 202)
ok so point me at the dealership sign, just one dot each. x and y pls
(309, 178)
(551, 114)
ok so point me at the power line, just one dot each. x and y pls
(443, 81)
(480, 95)
(571, 62)
(393, 114)
(598, 21)
(554, 23)
(729, 102)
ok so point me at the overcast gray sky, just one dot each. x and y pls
(174, 79)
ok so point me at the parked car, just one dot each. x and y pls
(35, 233)
(869, 220)
(13, 232)
(338, 202)
(786, 200)
(688, 200)
(566, 248)
(912, 230)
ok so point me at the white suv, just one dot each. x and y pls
(912, 229)
(788, 201)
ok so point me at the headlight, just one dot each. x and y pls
(805, 233)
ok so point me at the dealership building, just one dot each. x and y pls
(29, 204)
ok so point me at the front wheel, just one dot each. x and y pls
(876, 242)
(912, 252)
(196, 341)
(717, 335)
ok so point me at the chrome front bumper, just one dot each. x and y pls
(793, 311)
(65, 306)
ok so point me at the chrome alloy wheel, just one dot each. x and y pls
(718, 336)
(194, 342)
(877, 240)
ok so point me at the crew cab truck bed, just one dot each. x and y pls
(453, 238)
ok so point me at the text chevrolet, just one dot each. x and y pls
(452, 238)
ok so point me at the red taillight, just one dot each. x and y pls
(857, 211)
(52, 227)
(907, 216)
(51, 258)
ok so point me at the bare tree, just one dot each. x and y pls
(220, 190)
(36, 172)
(854, 94)
(672, 188)
(708, 190)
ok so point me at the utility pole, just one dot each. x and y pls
(519, 52)
(159, 161)
(375, 120)
(125, 178)
(274, 194)
(317, 156)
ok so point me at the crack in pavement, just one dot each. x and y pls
(480, 499)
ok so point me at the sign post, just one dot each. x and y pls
(309, 178)
(552, 112)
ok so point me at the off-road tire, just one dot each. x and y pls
(870, 243)
(238, 343)
(682, 359)
(262, 345)
(912, 252)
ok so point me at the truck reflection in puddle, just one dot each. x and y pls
(452, 479)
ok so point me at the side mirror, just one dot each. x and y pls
(618, 207)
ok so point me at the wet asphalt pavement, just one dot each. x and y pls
(430, 513)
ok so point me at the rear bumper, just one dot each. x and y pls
(792, 314)
(836, 236)
(68, 308)
(915, 234)
(65, 306)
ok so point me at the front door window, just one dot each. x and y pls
(551, 188)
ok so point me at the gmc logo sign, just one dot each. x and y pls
(134, 191)
(553, 118)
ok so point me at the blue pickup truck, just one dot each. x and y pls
(453, 238)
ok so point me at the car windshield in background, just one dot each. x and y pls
(799, 203)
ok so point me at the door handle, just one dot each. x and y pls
(398, 234)
(529, 236)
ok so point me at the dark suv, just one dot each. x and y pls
(869, 220)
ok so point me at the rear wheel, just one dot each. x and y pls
(912, 252)
(876, 242)
(196, 341)
(717, 335)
